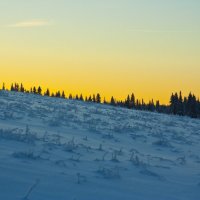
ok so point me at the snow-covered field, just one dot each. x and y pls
(56, 149)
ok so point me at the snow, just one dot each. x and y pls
(57, 149)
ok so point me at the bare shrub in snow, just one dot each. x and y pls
(26, 155)
(100, 147)
(181, 160)
(76, 159)
(104, 155)
(162, 142)
(136, 161)
(70, 146)
(114, 156)
(18, 135)
(56, 139)
(109, 173)
(45, 137)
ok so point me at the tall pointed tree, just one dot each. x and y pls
(98, 98)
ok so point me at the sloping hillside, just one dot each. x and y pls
(57, 149)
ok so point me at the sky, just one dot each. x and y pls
(114, 47)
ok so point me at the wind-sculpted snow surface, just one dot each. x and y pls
(57, 149)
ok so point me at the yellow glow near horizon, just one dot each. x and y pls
(114, 48)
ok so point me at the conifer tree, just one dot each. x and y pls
(81, 97)
(39, 90)
(180, 104)
(3, 86)
(21, 88)
(16, 87)
(132, 101)
(94, 98)
(174, 103)
(63, 95)
(90, 99)
(127, 102)
(77, 98)
(158, 106)
(12, 87)
(34, 90)
(112, 101)
(104, 101)
(47, 93)
(58, 94)
(98, 98)
(143, 105)
(193, 107)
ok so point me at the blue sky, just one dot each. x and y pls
(101, 40)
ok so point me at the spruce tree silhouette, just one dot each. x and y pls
(94, 98)
(127, 102)
(12, 87)
(81, 97)
(34, 90)
(98, 98)
(178, 105)
(90, 99)
(63, 95)
(112, 101)
(22, 88)
(47, 93)
(58, 94)
(39, 90)
(3, 86)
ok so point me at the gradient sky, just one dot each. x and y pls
(149, 47)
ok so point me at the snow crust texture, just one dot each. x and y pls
(57, 149)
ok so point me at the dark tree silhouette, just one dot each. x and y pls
(63, 95)
(94, 98)
(77, 98)
(21, 89)
(34, 90)
(58, 94)
(47, 93)
(98, 98)
(132, 101)
(12, 87)
(3, 86)
(39, 90)
(112, 101)
(81, 97)
(90, 99)
(179, 105)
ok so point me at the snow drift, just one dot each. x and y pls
(57, 149)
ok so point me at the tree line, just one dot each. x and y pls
(178, 105)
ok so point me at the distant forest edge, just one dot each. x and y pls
(178, 105)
